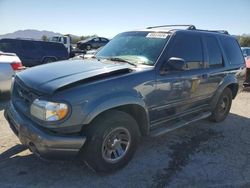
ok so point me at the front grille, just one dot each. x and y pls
(22, 96)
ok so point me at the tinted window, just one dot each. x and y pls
(27, 45)
(248, 52)
(189, 48)
(6, 46)
(232, 50)
(96, 39)
(104, 40)
(64, 40)
(214, 52)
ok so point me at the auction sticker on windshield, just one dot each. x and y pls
(157, 35)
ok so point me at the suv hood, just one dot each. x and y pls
(50, 77)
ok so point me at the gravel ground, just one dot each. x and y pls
(201, 155)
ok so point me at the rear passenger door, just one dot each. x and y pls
(215, 64)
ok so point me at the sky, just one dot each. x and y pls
(110, 17)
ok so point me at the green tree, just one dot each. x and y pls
(45, 38)
(244, 41)
(74, 40)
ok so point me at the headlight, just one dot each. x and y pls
(48, 111)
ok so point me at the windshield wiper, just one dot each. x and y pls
(121, 60)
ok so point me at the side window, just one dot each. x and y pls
(6, 46)
(96, 39)
(214, 52)
(244, 52)
(64, 40)
(189, 48)
(27, 45)
(104, 40)
(232, 50)
(248, 52)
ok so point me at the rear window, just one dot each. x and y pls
(233, 51)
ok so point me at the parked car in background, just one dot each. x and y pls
(64, 39)
(142, 83)
(92, 43)
(246, 52)
(9, 64)
(247, 81)
(34, 52)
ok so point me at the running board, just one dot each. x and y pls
(165, 129)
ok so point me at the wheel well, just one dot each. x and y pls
(137, 112)
(234, 88)
(49, 57)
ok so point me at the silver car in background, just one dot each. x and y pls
(9, 64)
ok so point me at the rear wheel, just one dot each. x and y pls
(88, 47)
(222, 107)
(112, 140)
(49, 60)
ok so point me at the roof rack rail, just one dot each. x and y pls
(215, 31)
(188, 26)
(220, 31)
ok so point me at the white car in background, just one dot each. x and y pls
(9, 65)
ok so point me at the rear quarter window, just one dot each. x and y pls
(6, 46)
(232, 50)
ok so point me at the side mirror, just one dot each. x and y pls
(175, 63)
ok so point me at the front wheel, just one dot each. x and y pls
(112, 140)
(222, 107)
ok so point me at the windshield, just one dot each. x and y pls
(55, 39)
(139, 47)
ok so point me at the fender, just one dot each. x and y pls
(229, 79)
(113, 103)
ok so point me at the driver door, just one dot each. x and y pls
(180, 91)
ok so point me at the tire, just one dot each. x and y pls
(49, 60)
(106, 130)
(88, 47)
(222, 107)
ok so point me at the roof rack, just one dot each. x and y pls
(188, 26)
(219, 31)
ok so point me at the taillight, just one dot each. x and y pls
(16, 66)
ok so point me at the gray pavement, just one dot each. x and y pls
(204, 154)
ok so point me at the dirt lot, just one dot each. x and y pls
(201, 155)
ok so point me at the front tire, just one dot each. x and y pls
(223, 106)
(112, 140)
